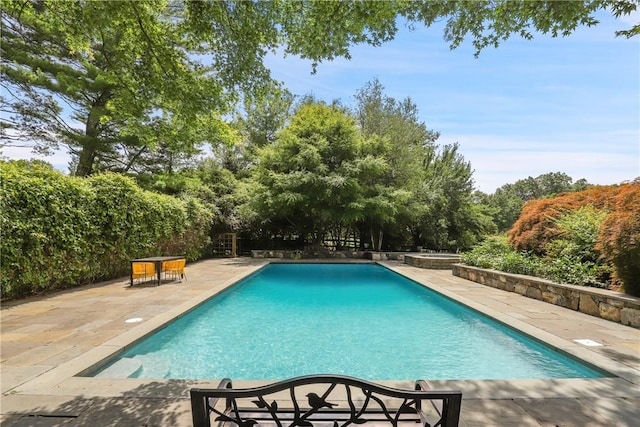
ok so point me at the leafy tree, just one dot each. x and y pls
(507, 201)
(108, 80)
(436, 208)
(224, 191)
(397, 122)
(308, 180)
(488, 23)
(505, 206)
(444, 214)
(324, 30)
(381, 198)
(402, 140)
(265, 116)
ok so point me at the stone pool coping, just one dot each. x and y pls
(34, 384)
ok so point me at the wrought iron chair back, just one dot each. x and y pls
(324, 400)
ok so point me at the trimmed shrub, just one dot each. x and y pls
(538, 221)
(47, 232)
(619, 238)
(60, 231)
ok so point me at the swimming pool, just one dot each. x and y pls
(355, 319)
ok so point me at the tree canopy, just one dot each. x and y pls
(308, 179)
(122, 84)
(109, 80)
(372, 176)
(508, 200)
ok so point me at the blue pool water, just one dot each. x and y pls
(354, 319)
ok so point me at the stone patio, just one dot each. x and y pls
(46, 341)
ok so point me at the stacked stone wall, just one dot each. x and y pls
(614, 306)
(326, 254)
(434, 262)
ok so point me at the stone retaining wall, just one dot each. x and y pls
(614, 306)
(324, 254)
(433, 262)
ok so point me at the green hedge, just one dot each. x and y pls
(59, 231)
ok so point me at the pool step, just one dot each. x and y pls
(123, 368)
(152, 366)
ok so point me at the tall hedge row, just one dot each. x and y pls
(59, 231)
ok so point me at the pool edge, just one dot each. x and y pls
(64, 380)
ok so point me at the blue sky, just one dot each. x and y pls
(567, 105)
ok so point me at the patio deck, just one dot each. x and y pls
(46, 340)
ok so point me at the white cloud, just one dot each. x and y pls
(496, 162)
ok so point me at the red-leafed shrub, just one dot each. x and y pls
(537, 224)
(539, 229)
(619, 238)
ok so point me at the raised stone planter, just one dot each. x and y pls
(614, 306)
(432, 261)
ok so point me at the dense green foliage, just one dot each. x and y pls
(127, 83)
(110, 81)
(496, 253)
(308, 180)
(370, 179)
(507, 201)
(60, 231)
(590, 237)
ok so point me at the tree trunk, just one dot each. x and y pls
(90, 142)
(376, 245)
(373, 243)
(86, 160)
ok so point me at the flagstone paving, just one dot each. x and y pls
(46, 341)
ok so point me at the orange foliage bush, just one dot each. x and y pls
(536, 225)
(619, 238)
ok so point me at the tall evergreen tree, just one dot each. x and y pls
(108, 80)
